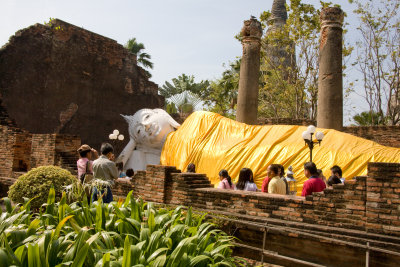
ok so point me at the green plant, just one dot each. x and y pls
(124, 233)
(36, 185)
(143, 59)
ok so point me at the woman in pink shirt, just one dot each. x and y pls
(86, 154)
(226, 181)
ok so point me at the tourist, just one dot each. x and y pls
(314, 183)
(129, 173)
(191, 168)
(276, 184)
(333, 179)
(105, 169)
(322, 176)
(226, 181)
(264, 186)
(120, 167)
(85, 161)
(337, 171)
(246, 181)
(283, 178)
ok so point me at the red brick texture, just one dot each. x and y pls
(384, 135)
(366, 203)
(20, 151)
(370, 204)
(75, 81)
(383, 198)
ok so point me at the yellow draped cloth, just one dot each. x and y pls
(213, 142)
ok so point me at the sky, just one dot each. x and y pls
(182, 36)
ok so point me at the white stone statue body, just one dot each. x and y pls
(148, 129)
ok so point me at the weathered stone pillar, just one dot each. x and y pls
(247, 104)
(330, 81)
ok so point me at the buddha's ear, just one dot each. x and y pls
(170, 120)
(128, 119)
(173, 122)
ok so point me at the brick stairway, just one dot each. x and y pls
(67, 160)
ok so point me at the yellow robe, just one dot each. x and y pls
(213, 142)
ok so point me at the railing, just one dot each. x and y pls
(266, 227)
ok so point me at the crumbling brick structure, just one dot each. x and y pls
(60, 78)
(315, 228)
(366, 209)
(20, 151)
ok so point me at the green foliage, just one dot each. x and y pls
(184, 83)
(378, 58)
(143, 58)
(289, 63)
(368, 118)
(182, 94)
(127, 233)
(221, 96)
(51, 23)
(36, 185)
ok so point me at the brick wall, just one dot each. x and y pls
(342, 206)
(384, 135)
(370, 204)
(14, 150)
(383, 198)
(285, 121)
(20, 151)
(43, 150)
(366, 203)
(85, 72)
(7, 141)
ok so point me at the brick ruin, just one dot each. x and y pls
(366, 209)
(60, 78)
(329, 228)
(20, 151)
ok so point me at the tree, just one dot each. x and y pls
(143, 58)
(182, 94)
(378, 58)
(221, 96)
(289, 63)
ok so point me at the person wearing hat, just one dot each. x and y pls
(85, 161)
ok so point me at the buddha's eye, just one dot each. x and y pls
(147, 116)
(138, 131)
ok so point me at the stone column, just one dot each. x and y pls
(330, 81)
(247, 104)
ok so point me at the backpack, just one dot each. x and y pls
(87, 177)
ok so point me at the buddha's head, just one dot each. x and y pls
(150, 127)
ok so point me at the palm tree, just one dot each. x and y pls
(143, 58)
(182, 94)
(181, 84)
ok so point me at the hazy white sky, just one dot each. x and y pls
(182, 36)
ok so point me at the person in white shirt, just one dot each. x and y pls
(129, 174)
(246, 182)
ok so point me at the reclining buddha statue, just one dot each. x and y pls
(148, 129)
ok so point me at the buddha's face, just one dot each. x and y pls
(150, 127)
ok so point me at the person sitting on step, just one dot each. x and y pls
(226, 181)
(246, 181)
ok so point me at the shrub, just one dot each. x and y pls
(37, 182)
